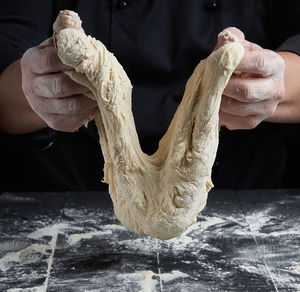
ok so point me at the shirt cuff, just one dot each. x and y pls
(291, 44)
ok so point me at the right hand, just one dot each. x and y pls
(57, 99)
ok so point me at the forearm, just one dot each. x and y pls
(16, 115)
(288, 110)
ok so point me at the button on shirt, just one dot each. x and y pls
(159, 43)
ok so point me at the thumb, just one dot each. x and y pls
(46, 43)
(229, 34)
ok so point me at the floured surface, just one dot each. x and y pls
(252, 246)
(159, 195)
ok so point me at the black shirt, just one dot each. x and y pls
(159, 43)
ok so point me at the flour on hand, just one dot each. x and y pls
(159, 195)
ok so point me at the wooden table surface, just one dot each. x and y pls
(243, 241)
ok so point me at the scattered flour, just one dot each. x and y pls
(296, 269)
(146, 281)
(31, 253)
(48, 231)
(32, 289)
(74, 238)
(189, 238)
(11, 197)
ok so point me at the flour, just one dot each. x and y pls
(48, 231)
(192, 236)
(35, 253)
(262, 219)
(295, 268)
(256, 220)
(253, 268)
(114, 227)
(264, 224)
(14, 198)
(189, 239)
(146, 281)
(32, 289)
(74, 238)
(30, 254)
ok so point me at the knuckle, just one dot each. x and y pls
(280, 62)
(245, 91)
(56, 87)
(280, 93)
(35, 85)
(73, 105)
(268, 109)
(259, 62)
(49, 60)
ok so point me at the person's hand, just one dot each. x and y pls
(57, 99)
(253, 93)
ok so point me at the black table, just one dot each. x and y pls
(243, 241)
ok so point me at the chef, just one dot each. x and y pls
(43, 143)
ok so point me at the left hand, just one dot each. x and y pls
(253, 94)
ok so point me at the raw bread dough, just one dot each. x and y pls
(159, 195)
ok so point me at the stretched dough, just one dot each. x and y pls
(159, 195)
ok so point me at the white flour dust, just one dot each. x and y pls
(34, 253)
(32, 289)
(147, 283)
(13, 198)
(30, 254)
(48, 231)
(74, 238)
(188, 239)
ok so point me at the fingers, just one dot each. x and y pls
(76, 104)
(43, 61)
(253, 93)
(69, 123)
(244, 109)
(65, 114)
(229, 34)
(56, 85)
(233, 30)
(58, 100)
(237, 115)
(248, 101)
(262, 62)
(251, 89)
(233, 122)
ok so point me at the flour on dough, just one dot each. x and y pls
(159, 195)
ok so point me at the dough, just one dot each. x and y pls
(159, 195)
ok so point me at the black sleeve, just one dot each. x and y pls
(291, 44)
(285, 26)
(23, 24)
